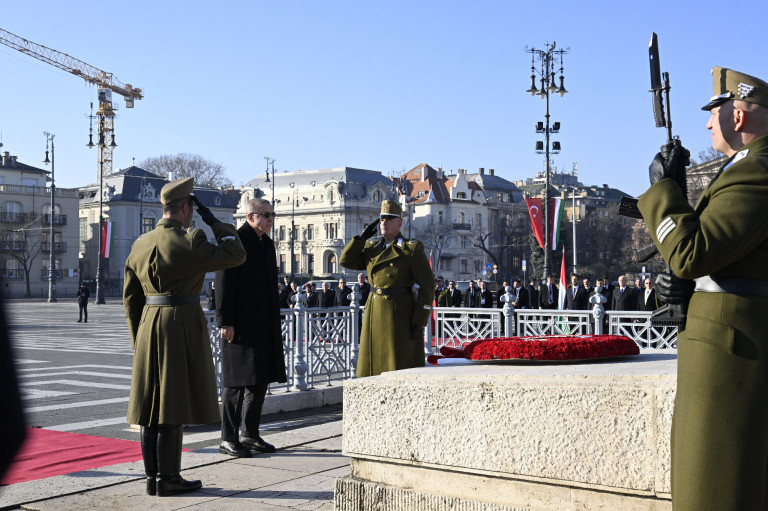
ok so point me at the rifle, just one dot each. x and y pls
(668, 314)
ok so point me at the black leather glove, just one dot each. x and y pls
(204, 212)
(370, 230)
(669, 163)
(672, 289)
(417, 332)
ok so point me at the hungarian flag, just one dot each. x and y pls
(107, 236)
(563, 284)
(557, 210)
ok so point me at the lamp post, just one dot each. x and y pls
(573, 220)
(547, 60)
(141, 205)
(52, 262)
(293, 226)
(102, 148)
(271, 161)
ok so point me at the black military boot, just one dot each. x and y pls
(169, 482)
(149, 453)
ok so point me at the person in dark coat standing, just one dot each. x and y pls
(211, 296)
(576, 297)
(173, 381)
(484, 297)
(342, 294)
(624, 298)
(327, 296)
(248, 313)
(313, 300)
(533, 295)
(82, 300)
(364, 287)
(646, 298)
(548, 294)
(471, 295)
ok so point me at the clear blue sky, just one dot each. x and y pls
(376, 85)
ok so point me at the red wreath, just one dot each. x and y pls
(554, 347)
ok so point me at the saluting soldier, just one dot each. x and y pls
(173, 382)
(393, 325)
(720, 424)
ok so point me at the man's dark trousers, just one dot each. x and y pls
(241, 404)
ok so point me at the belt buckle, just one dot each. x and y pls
(379, 291)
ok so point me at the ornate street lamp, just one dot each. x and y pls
(547, 59)
(271, 161)
(52, 261)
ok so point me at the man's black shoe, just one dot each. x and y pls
(173, 485)
(235, 449)
(257, 444)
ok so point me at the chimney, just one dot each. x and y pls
(482, 171)
(490, 171)
(6, 158)
(423, 173)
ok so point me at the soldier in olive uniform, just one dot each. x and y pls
(720, 424)
(173, 380)
(392, 336)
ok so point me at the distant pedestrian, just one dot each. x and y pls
(82, 300)
(212, 297)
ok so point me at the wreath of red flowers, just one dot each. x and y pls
(552, 347)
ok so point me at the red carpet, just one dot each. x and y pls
(52, 453)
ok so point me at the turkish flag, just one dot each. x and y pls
(534, 210)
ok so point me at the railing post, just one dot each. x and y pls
(300, 376)
(509, 312)
(354, 338)
(428, 349)
(598, 311)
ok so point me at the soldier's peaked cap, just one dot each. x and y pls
(728, 84)
(390, 209)
(177, 189)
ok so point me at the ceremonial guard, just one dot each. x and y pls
(393, 325)
(720, 423)
(173, 381)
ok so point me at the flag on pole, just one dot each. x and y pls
(534, 210)
(107, 236)
(558, 211)
(563, 284)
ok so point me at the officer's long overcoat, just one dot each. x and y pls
(720, 424)
(385, 343)
(247, 299)
(173, 378)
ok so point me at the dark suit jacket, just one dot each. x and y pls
(577, 302)
(626, 301)
(544, 297)
(646, 305)
(522, 297)
(486, 296)
(342, 295)
(454, 300)
(471, 297)
(533, 297)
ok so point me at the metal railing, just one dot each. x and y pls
(320, 345)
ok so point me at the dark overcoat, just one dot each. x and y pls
(247, 299)
(720, 422)
(173, 379)
(385, 342)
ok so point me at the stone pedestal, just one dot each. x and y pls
(522, 436)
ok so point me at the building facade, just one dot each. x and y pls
(318, 212)
(25, 221)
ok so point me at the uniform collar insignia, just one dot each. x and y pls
(745, 90)
(740, 155)
(400, 242)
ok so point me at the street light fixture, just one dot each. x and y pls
(52, 261)
(102, 148)
(547, 59)
(271, 161)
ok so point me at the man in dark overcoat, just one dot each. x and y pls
(624, 298)
(576, 297)
(393, 325)
(248, 313)
(173, 381)
(720, 423)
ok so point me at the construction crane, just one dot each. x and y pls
(107, 84)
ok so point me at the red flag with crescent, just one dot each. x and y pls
(534, 210)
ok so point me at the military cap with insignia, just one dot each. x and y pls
(390, 209)
(177, 189)
(728, 84)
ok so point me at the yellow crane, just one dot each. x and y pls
(106, 81)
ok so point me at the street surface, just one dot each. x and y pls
(76, 377)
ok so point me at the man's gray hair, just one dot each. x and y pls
(253, 205)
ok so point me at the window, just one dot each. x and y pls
(331, 231)
(377, 196)
(311, 264)
(281, 233)
(83, 234)
(330, 264)
(147, 224)
(464, 242)
(11, 269)
(310, 232)
(44, 270)
(295, 234)
(447, 264)
(478, 220)
(461, 218)
(440, 217)
(464, 266)
(296, 262)
(282, 263)
(461, 195)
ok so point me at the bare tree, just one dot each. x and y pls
(23, 246)
(205, 172)
(706, 155)
(435, 238)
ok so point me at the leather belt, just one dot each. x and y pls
(390, 290)
(736, 286)
(171, 299)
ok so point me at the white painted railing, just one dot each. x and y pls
(320, 345)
